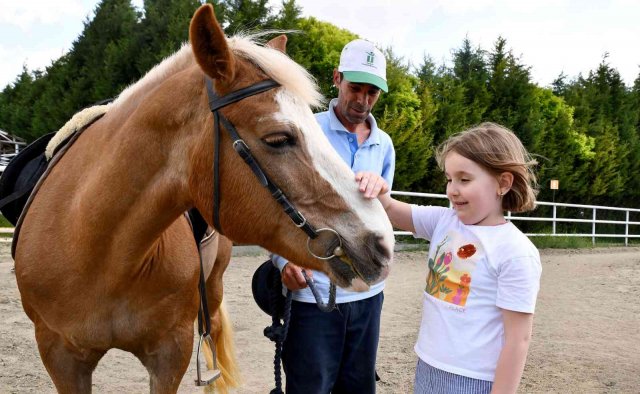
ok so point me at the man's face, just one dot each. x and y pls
(355, 100)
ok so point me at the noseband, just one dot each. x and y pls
(216, 103)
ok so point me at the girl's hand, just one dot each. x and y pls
(371, 184)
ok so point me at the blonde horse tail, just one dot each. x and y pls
(225, 356)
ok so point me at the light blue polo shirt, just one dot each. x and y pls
(376, 154)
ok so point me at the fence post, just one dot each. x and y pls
(626, 230)
(593, 228)
(554, 220)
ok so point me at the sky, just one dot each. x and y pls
(550, 36)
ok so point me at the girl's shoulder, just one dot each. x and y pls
(426, 218)
(506, 242)
(432, 214)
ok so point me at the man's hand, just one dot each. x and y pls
(371, 184)
(292, 277)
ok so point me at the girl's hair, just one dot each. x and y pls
(498, 150)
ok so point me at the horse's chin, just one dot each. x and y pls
(343, 272)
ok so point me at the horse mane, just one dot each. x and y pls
(278, 66)
(272, 62)
(172, 64)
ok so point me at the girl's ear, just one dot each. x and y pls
(505, 181)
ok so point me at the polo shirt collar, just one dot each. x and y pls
(335, 124)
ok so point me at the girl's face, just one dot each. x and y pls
(473, 191)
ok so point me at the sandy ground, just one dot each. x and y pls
(586, 334)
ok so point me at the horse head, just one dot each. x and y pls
(283, 136)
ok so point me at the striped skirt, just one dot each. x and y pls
(430, 380)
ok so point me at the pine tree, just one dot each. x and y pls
(470, 68)
(400, 114)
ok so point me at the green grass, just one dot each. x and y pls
(4, 222)
(409, 244)
(579, 242)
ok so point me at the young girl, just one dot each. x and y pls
(484, 274)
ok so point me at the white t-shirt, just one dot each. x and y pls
(473, 271)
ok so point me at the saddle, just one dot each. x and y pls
(25, 170)
(21, 176)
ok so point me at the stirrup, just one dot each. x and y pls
(208, 376)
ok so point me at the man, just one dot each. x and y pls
(336, 352)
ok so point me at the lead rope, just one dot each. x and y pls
(331, 304)
(277, 332)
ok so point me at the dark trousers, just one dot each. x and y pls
(332, 352)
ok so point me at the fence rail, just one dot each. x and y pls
(555, 219)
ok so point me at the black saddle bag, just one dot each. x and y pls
(21, 176)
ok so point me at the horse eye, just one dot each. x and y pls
(279, 140)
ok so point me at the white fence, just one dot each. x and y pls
(5, 158)
(555, 219)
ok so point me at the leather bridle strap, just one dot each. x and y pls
(216, 103)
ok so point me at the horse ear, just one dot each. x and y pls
(279, 43)
(209, 45)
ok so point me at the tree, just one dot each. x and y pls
(470, 69)
(317, 48)
(400, 113)
(247, 15)
(164, 28)
(289, 16)
(512, 94)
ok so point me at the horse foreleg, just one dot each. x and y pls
(69, 368)
(167, 359)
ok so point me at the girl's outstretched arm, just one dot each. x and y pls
(373, 185)
(517, 333)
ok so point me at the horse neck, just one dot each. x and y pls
(146, 173)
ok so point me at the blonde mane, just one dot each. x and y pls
(274, 63)
(180, 60)
(278, 66)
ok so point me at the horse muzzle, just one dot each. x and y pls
(356, 266)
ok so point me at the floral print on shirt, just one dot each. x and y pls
(450, 270)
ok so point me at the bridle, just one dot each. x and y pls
(215, 104)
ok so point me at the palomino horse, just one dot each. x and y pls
(105, 258)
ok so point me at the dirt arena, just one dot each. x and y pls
(586, 334)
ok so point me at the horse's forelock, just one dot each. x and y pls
(278, 66)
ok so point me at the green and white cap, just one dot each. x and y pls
(362, 62)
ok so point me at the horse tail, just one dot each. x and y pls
(225, 355)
